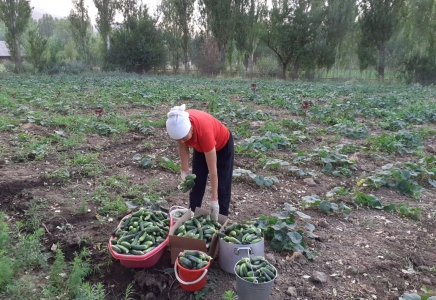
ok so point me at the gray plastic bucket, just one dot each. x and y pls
(247, 290)
(230, 254)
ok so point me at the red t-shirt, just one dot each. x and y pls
(207, 132)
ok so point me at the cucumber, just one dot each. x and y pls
(191, 177)
(126, 238)
(265, 271)
(192, 253)
(185, 189)
(123, 249)
(186, 263)
(126, 244)
(149, 249)
(255, 241)
(114, 241)
(193, 259)
(137, 252)
(151, 229)
(251, 279)
(117, 249)
(201, 265)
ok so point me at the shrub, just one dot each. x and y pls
(267, 66)
(137, 47)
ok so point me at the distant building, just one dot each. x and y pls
(4, 52)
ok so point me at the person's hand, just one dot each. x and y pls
(214, 209)
(183, 174)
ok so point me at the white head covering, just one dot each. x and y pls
(178, 124)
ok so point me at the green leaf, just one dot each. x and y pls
(310, 234)
(283, 215)
(137, 157)
(280, 235)
(389, 207)
(376, 204)
(295, 237)
(432, 182)
(311, 199)
(325, 206)
(276, 244)
(328, 169)
(299, 248)
(279, 225)
(259, 180)
(302, 215)
(309, 226)
(290, 208)
(410, 297)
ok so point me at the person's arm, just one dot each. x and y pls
(184, 155)
(213, 174)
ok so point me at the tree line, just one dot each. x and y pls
(291, 38)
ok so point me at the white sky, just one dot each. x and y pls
(62, 8)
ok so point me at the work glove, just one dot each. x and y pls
(183, 174)
(214, 209)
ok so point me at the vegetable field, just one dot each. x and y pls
(341, 178)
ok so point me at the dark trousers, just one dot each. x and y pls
(224, 159)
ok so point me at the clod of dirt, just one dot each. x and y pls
(2, 163)
(323, 223)
(319, 277)
(271, 258)
(298, 257)
(309, 182)
(416, 260)
(292, 292)
(430, 148)
(155, 284)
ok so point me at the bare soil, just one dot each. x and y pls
(371, 255)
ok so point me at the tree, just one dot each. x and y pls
(137, 46)
(291, 32)
(340, 16)
(2, 31)
(79, 24)
(220, 22)
(128, 8)
(106, 12)
(184, 11)
(15, 14)
(247, 15)
(46, 25)
(379, 19)
(171, 31)
(37, 46)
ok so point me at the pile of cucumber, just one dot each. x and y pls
(241, 234)
(140, 233)
(188, 183)
(256, 268)
(193, 260)
(200, 227)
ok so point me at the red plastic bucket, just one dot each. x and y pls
(140, 261)
(191, 280)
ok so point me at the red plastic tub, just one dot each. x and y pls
(140, 261)
(191, 280)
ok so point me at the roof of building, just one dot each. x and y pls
(4, 51)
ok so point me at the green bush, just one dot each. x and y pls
(9, 66)
(268, 66)
(137, 47)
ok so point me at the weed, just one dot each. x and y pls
(83, 209)
(230, 295)
(129, 292)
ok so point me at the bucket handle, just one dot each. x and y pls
(188, 283)
(249, 250)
